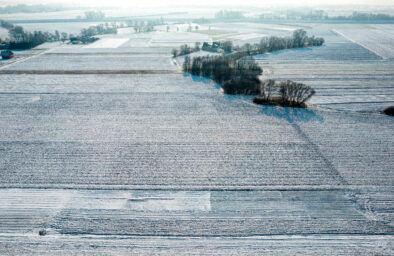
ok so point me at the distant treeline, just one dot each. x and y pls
(21, 39)
(100, 29)
(23, 8)
(320, 15)
(299, 39)
(87, 35)
(94, 15)
(143, 26)
(359, 16)
(224, 14)
(5, 24)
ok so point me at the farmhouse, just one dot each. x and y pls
(214, 47)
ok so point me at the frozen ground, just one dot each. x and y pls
(164, 164)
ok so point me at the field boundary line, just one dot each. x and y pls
(188, 187)
(88, 72)
(362, 45)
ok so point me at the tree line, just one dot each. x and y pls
(320, 15)
(144, 26)
(94, 15)
(299, 39)
(100, 29)
(361, 16)
(21, 39)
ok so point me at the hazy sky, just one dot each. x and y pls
(205, 2)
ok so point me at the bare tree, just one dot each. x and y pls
(293, 93)
(197, 46)
(267, 89)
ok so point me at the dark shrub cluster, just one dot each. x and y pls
(237, 76)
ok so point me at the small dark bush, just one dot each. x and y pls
(238, 86)
(42, 232)
(389, 111)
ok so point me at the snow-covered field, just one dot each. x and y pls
(95, 62)
(108, 43)
(113, 164)
(176, 39)
(106, 84)
(378, 39)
